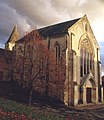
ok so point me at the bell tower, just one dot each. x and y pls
(12, 39)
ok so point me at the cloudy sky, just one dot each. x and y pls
(29, 14)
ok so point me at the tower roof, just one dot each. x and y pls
(14, 35)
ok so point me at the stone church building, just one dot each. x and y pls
(83, 83)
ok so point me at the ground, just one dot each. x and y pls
(88, 114)
(14, 100)
(11, 110)
(82, 113)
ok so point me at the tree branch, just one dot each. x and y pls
(36, 75)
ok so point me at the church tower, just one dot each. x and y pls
(12, 39)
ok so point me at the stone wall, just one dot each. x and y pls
(53, 87)
(79, 32)
(5, 65)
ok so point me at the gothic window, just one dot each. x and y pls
(90, 61)
(57, 50)
(81, 64)
(87, 62)
(86, 58)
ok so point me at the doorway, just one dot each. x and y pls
(88, 95)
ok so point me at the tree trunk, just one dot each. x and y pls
(46, 85)
(30, 97)
(46, 90)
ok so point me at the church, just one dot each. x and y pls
(83, 83)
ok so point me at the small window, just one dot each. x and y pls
(57, 51)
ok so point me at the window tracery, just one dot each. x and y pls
(86, 58)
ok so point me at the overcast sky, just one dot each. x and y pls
(28, 14)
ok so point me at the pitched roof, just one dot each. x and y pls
(56, 29)
(60, 28)
(14, 31)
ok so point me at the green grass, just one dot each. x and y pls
(11, 110)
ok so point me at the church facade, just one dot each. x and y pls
(83, 83)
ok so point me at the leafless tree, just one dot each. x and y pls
(34, 61)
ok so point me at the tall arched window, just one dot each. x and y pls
(57, 51)
(87, 62)
(86, 58)
(57, 47)
(81, 63)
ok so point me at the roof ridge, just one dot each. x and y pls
(60, 28)
(59, 23)
(51, 30)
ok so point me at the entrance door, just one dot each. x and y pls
(88, 95)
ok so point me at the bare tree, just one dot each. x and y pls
(28, 62)
(34, 62)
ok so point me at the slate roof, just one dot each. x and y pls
(60, 28)
(52, 30)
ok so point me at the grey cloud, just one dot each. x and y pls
(77, 8)
(41, 12)
(74, 7)
(45, 12)
(8, 18)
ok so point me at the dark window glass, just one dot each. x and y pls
(57, 51)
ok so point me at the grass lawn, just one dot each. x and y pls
(11, 110)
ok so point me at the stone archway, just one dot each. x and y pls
(88, 90)
(87, 82)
